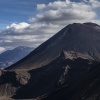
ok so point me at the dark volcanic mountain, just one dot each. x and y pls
(86, 88)
(81, 38)
(9, 57)
(66, 67)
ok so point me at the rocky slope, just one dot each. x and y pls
(86, 88)
(29, 84)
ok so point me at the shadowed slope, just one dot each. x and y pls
(30, 84)
(86, 88)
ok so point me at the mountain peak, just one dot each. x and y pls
(91, 24)
(82, 39)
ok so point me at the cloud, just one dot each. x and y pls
(2, 49)
(40, 6)
(93, 3)
(19, 26)
(50, 18)
(31, 36)
(63, 11)
(62, 4)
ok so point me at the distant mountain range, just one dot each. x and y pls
(65, 67)
(9, 57)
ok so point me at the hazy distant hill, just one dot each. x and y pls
(9, 57)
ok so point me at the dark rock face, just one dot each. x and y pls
(66, 67)
(86, 88)
(61, 72)
(82, 38)
(11, 81)
(9, 57)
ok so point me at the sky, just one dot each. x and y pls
(31, 22)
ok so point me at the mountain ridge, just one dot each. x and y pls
(74, 37)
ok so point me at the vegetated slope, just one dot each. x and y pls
(82, 38)
(9, 57)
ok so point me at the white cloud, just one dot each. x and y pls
(2, 49)
(21, 25)
(59, 11)
(40, 6)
